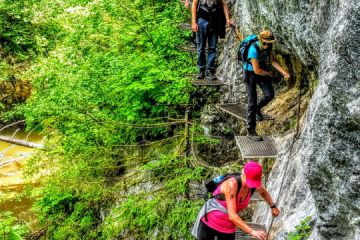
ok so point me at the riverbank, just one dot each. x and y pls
(13, 183)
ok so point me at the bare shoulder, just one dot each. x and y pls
(229, 185)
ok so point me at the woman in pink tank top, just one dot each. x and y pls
(221, 226)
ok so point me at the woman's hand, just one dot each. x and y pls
(194, 27)
(187, 4)
(286, 75)
(270, 74)
(275, 212)
(229, 23)
(258, 234)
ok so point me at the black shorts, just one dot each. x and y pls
(207, 233)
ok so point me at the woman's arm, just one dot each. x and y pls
(277, 66)
(229, 188)
(266, 196)
(226, 13)
(258, 70)
(194, 25)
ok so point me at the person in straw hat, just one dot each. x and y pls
(258, 71)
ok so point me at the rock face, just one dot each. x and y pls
(319, 174)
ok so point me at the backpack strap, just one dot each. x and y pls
(239, 184)
(221, 196)
(256, 46)
(257, 49)
(246, 53)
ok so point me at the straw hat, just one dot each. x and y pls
(267, 36)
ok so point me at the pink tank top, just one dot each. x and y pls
(220, 221)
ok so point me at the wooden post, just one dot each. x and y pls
(187, 137)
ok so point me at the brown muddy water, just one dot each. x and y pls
(13, 158)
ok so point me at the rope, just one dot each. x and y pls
(141, 144)
(239, 36)
(200, 163)
(12, 124)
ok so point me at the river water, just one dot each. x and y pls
(13, 158)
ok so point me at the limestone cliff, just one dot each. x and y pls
(319, 43)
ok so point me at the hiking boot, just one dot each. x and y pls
(210, 76)
(201, 75)
(252, 134)
(259, 116)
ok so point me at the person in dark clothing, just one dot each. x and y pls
(209, 18)
(258, 71)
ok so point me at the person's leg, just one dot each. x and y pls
(205, 232)
(265, 84)
(251, 99)
(212, 45)
(251, 80)
(201, 45)
(226, 236)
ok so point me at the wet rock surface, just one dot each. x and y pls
(320, 171)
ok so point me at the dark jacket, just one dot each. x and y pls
(217, 20)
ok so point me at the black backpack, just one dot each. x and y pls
(215, 15)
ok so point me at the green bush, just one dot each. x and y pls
(303, 230)
(11, 228)
(100, 70)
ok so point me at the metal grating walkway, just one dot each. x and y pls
(185, 26)
(239, 110)
(240, 235)
(256, 149)
(190, 49)
(206, 82)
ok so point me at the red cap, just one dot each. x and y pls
(253, 173)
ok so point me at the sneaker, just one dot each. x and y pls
(210, 76)
(259, 116)
(201, 75)
(252, 134)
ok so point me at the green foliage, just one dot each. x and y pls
(100, 71)
(116, 62)
(11, 228)
(293, 122)
(303, 230)
(156, 212)
(206, 140)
